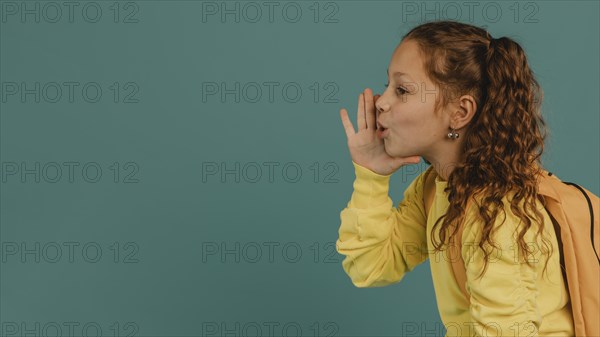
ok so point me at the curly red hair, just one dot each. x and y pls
(505, 138)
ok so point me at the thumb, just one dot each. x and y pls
(408, 160)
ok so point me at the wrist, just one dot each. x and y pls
(370, 188)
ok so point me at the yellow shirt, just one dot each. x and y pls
(382, 243)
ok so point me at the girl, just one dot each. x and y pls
(470, 106)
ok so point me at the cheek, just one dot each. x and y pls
(407, 120)
(414, 129)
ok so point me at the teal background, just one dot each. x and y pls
(158, 284)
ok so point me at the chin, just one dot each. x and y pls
(390, 151)
(393, 153)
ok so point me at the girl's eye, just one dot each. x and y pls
(399, 89)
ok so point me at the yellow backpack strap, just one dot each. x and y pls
(458, 265)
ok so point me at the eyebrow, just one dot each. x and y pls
(397, 73)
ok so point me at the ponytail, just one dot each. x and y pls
(513, 93)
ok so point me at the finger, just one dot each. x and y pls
(370, 108)
(409, 160)
(415, 159)
(375, 98)
(347, 123)
(360, 116)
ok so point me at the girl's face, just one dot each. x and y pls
(406, 107)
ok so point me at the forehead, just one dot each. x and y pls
(406, 59)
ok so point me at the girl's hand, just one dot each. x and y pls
(366, 149)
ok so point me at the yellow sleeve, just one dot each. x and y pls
(381, 243)
(503, 302)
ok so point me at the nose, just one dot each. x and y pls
(379, 106)
(378, 111)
